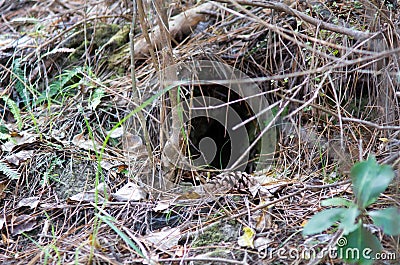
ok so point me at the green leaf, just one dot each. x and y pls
(323, 220)
(388, 220)
(4, 129)
(360, 247)
(337, 202)
(369, 180)
(95, 100)
(348, 222)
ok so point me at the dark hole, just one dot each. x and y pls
(208, 128)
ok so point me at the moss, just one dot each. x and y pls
(226, 232)
(209, 237)
(104, 34)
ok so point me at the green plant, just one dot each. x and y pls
(18, 76)
(48, 250)
(49, 172)
(99, 155)
(96, 97)
(8, 171)
(12, 105)
(110, 222)
(4, 132)
(369, 180)
(65, 82)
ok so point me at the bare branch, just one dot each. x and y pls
(356, 34)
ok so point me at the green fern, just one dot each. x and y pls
(97, 95)
(14, 110)
(20, 82)
(59, 85)
(9, 172)
(49, 172)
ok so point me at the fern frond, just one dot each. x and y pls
(49, 172)
(9, 172)
(59, 84)
(68, 75)
(20, 82)
(14, 110)
(95, 100)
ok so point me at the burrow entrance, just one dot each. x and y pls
(210, 139)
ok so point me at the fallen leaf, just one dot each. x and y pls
(90, 196)
(3, 187)
(116, 133)
(261, 243)
(57, 134)
(132, 143)
(106, 165)
(21, 224)
(261, 220)
(121, 168)
(191, 195)
(130, 192)
(24, 138)
(164, 239)
(247, 239)
(86, 144)
(161, 206)
(20, 157)
(52, 206)
(31, 202)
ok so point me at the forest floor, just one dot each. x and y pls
(85, 177)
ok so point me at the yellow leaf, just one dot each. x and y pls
(247, 239)
(384, 140)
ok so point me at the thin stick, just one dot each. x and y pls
(135, 92)
(356, 34)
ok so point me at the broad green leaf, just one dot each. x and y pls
(95, 100)
(348, 222)
(369, 180)
(360, 247)
(323, 220)
(388, 220)
(4, 129)
(337, 202)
